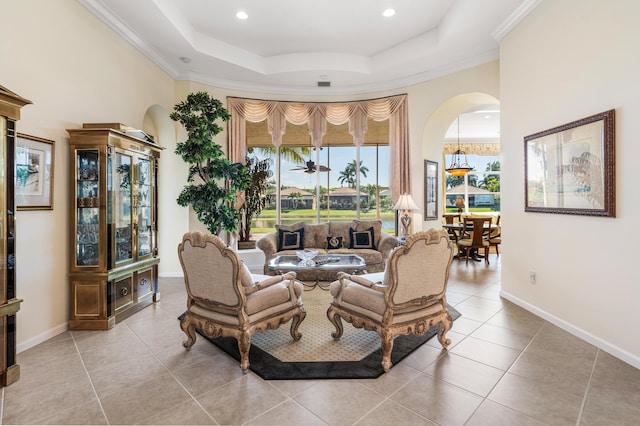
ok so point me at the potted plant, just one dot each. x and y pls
(255, 197)
(213, 180)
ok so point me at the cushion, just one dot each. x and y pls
(340, 229)
(334, 242)
(315, 236)
(362, 239)
(290, 240)
(363, 225)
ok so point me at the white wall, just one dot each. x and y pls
(568, 60)
(75, 70)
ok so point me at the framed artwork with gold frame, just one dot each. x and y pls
(570, 169)
(34, 161)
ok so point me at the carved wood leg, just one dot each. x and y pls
(445, 326)
(486, 254)
(244, 343)
(295, 323)
(387, 347)
(189, 330)
(337, 323)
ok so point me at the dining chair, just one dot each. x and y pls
(450, 219)
(495, 236)
(475, 236)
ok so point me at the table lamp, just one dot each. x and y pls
(460, 204)
(405, 203)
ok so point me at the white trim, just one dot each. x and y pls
(625, 356)
(42, 337)
(514, 19)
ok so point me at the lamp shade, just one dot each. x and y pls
(460, 202)
(405, 202)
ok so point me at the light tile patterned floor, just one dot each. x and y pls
(505, 366)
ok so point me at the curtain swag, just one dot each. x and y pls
(316, 115)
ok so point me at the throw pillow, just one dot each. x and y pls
(290, 240)
(361, 239)
(334, 242)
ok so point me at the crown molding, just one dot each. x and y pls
(514, 19)
(108, 18)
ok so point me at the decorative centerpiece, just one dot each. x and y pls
(306, 257)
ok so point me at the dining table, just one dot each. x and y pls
(456, 230)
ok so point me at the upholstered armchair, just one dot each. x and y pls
(407, 298)
(225, 299)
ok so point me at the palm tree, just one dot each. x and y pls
(294, 197)
(298, 155)
(348, 175)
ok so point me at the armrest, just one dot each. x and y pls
(289, 276)
(357, 279)
(386, 245)
(268, 244)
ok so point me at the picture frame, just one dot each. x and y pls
(430, 190)
(34, 166)
(570, 169)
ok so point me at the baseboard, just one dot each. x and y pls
(613, 350)
(43, 337)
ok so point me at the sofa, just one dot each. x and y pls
(363, 238)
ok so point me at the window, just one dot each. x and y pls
(480, 188)
(341, 195)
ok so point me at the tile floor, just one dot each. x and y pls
(505, 367)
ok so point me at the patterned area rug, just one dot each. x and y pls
(357, 355)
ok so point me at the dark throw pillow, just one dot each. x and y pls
(290, 240)
(361, 239)
(334, 242)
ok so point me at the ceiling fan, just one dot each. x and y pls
(311, 167)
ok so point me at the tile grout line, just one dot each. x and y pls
(586, 391)
(170, 373)
(486, 398)
(95, 392)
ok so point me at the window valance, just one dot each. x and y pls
(316, 115)
(473, 148)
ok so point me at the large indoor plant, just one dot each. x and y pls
(255, 197)
(213, 181)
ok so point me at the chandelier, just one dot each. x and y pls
(459, 166)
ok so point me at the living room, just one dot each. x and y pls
(564, 61)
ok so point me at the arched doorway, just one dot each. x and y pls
(437, 134)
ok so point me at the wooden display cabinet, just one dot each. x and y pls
(114, 254)
(10, 105)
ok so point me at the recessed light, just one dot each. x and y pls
(241, 14)
(389, 12)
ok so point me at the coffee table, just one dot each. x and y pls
(349, 263)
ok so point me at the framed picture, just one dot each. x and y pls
(34, 173)
(570, 169)
(430, 190)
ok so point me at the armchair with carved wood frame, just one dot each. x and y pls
(407, 298)
(225, 299)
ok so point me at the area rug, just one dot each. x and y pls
(357, 355)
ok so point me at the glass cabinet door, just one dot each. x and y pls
(121, 214)
(144, 207)
(88, 208)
